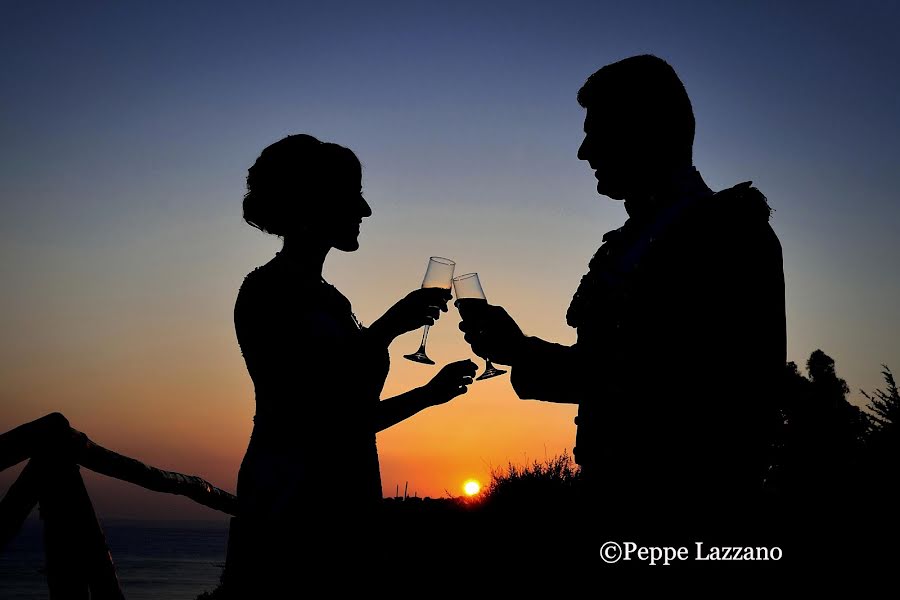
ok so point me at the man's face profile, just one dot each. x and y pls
(606, 149)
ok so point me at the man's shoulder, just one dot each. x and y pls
(737, 213)
(724, 228)
(739, 206)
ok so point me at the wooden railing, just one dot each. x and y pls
(78, 561)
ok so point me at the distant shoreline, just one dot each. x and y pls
(34, 519)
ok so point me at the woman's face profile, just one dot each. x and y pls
(343, 209)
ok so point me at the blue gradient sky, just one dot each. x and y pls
(127, 129)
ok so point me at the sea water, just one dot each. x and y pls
(155, 560)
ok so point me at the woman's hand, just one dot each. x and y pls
(450, 382)
(419, 308)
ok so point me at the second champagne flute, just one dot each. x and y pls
(439, 274)
(470, 296)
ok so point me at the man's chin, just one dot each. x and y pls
(610, 193)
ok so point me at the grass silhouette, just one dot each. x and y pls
(478, 532)
(542, 485)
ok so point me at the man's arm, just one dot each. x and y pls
(541, 370)
(547, 371)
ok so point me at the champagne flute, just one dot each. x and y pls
(470, 297)
(439, 274)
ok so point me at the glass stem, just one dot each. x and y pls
(424, 339)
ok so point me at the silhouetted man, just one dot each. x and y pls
(680, 320)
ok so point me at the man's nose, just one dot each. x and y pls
(366, 210)
(582, 150)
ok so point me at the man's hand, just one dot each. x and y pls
(492, 333)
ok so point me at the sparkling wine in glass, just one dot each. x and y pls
(470, 298)
(439, 274)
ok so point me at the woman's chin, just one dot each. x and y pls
(347, 245)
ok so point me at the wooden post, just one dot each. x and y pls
(39, 437)
(79, 564)
(16, 505)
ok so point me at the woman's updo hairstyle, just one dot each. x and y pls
(289, 182)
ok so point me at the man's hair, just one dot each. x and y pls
(644, 94)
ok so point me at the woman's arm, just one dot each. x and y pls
(449, 383)
(418, 308)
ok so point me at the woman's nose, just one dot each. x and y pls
(366, 209)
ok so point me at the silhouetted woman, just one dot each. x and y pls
(309, 485)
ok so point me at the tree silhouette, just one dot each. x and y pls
(885, 404)
(848, 424)
(884, 439)
(823, 436)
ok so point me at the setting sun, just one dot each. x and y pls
(471, 487)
